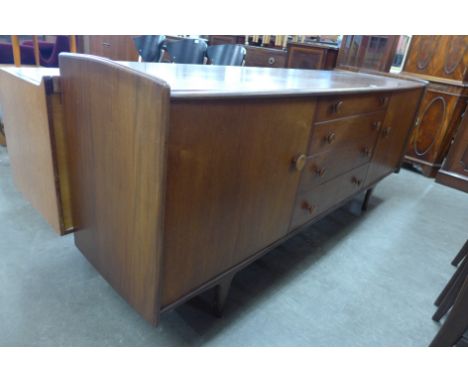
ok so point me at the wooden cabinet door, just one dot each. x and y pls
(394, 134)
(231, 184)
(120, 48)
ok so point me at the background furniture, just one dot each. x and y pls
(454, 297)
(186, 51)
(114, 47)
(442, 60)
(233, 55)
(367, 52)
(149, 47)
(311, 56)
(216, 172)
(265, 57)
(33, 117)
(454, 171)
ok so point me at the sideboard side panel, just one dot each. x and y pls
(116, 127)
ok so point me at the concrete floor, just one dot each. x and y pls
(349, 280)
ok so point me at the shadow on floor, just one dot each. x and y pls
(267, 275)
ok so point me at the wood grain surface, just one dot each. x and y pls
(116, 132)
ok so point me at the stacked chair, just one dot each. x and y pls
(188, 51)
(454, 297)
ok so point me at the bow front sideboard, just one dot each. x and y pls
(182, 175)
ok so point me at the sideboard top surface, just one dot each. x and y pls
(205, 81)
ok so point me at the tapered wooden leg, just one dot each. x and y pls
(461, 255)
(365, 203)
(457, 321)
(221, 293)
(452, 294)
(449, 285)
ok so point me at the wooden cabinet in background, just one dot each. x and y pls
(367, 52)
(265, 57)
(311, 56)
(30, 98)
(454, 171)
(442, 60)
(114, 47)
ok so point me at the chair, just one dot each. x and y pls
(454, 297)
(186, 51)
(149, 47)
(26, 53)
(233, 55)
(49, 51)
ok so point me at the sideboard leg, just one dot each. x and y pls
(222, 291)
(365, 203)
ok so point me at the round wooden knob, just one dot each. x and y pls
(376, 125)
(386, 131)
(331, 137)
(308, 207)
(337, 107)
(299, 161)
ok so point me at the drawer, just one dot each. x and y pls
(360, 131)
(324, 167)
(314, 201)
(333, 107)
(264, 57)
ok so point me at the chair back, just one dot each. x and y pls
(233, 55)
(187, 51)
(149, 47)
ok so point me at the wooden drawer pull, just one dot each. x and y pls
(299, 161)
(376, 125)
(336, 107)
(366, 151)
(356, 181)
(309, 208)
(331, 137)
(383, 100)
(320, 171)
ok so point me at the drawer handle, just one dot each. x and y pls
(383, 101)
(320, 171)
(356, 181)
(386, 131)
(376, 125)
(330, 137)
(336, 107)
(309, 208)
(299, 161)
(106, 44)
(271, 60)
(366, 151)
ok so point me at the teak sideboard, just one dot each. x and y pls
(181, 175)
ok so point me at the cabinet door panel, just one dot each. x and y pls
(231, 185)
(399, 120)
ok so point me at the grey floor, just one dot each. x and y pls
(349, 280)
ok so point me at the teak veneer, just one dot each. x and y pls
(182, 175)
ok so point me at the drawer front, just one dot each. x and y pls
(333, 107)
(359, 131)
(324, 167)
(317, 200)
